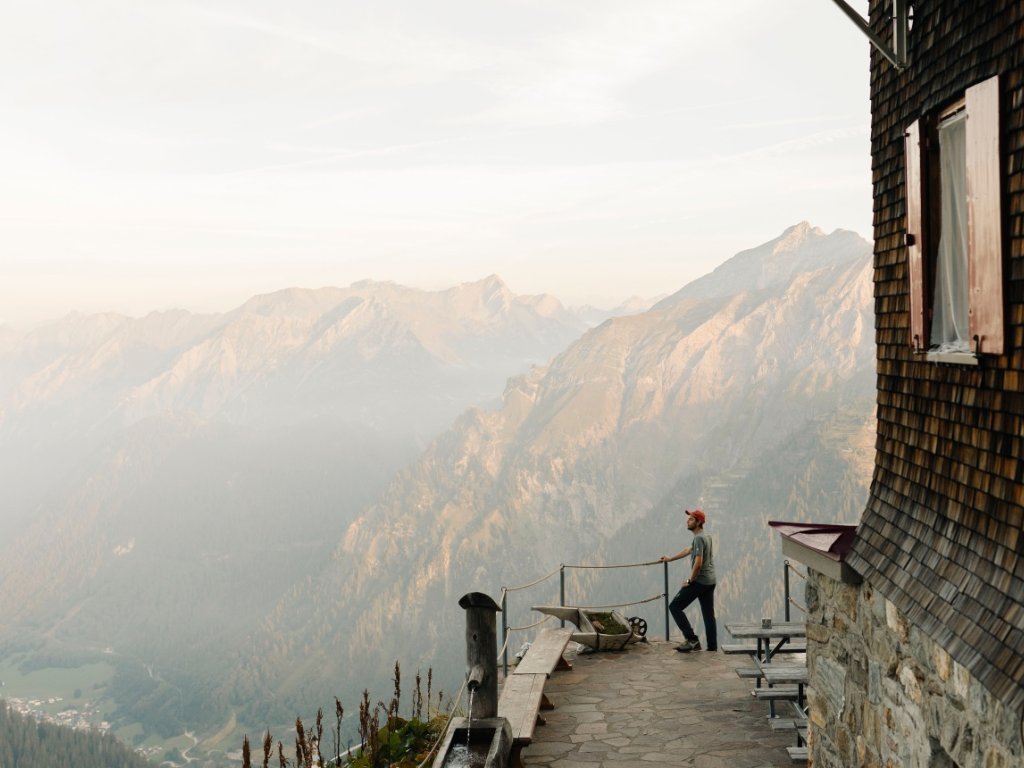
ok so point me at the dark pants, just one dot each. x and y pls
(705, 593)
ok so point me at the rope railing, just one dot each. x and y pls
(651, 599)
(608, 567)
(507, 631)
(794, 602)
(787, 568)
(533, 583)
(528, 626)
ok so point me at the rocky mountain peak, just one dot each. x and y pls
(800, 248)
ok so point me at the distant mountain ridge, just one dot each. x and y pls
(173, 358)
(196, 467)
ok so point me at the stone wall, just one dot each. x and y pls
(884, 694)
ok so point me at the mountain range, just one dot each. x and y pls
(750, 393)
(168, 477)
(250, 513)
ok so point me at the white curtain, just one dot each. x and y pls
(949, 310)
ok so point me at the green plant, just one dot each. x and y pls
(386, 739)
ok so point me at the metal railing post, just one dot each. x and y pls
(785, 572)
(665, 566)
(504, 629)
(561, 587)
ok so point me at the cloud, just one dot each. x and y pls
(802, 144)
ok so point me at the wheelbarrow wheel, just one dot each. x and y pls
(638, 625)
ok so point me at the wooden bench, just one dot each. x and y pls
(544, 655)
(760, 670)
(746, 673)
(738, 648)
(522, 695)
(522, 698)
(787, 723)
(797, 645)
(778, 693)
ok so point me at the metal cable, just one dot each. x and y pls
(794, 602)
(798, 573)
(533, 583)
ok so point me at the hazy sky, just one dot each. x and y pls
(159, 153)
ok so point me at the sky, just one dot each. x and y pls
(167, 154)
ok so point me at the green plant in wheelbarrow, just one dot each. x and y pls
(597, 629)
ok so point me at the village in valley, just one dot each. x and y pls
(87, 717)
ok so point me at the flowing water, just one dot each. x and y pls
(468, 755)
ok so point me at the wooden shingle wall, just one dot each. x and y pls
(943, 533)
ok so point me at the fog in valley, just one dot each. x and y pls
(215, 523)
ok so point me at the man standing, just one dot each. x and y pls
(699, 586)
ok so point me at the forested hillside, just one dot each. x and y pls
(24, 743)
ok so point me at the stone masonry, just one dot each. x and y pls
(883, 694)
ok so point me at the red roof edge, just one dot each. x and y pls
(829, 539)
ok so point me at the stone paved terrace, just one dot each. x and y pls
(651, 706)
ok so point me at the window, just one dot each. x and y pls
(954, 228)
(950, 326)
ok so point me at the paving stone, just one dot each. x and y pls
(652, 706)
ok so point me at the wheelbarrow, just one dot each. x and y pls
(599, 630)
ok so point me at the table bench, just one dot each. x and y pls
(786, 674)
(522, 695)
(793, 646)
(797, 754)
(746, 673)
(788, 723)
(778, 693)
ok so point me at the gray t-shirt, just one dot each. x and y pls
(702, 546)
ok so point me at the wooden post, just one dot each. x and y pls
(482, 652)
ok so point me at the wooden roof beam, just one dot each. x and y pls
(901, 18)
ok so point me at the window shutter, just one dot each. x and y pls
(915, 236)
(984, 218)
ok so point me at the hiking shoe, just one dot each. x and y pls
(688, 646)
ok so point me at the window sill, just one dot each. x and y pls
(952, 358)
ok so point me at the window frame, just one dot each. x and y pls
(986, 311)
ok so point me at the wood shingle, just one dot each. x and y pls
(943, 533)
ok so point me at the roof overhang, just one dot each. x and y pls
(821, 547)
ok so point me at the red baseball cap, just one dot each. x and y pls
(697, 514)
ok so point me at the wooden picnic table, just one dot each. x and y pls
(781, 631)
(789, 674)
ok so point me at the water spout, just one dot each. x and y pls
(476, 678)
